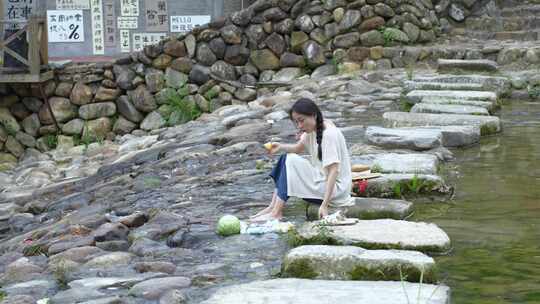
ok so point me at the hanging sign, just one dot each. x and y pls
(98, 35)
(187, 23)
(140, 40)
(65, 26)
(129, 7)
(125, 45)
(128, 22)
(72, 4)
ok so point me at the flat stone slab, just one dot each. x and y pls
(377, 234)
(399, 163)
(488, 105)
(488, 124)
(413, 139)
(500, 85)
(452, 136)
(324, 262)
(408, 185)
(442, 86)
(417, 96)
(367, 208)
(302, 291)
(476, 65)
(448, 109)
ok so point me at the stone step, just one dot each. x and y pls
(500, 85)
(516, 35)
(488, 105)
(441, 86)
(417, 163)
(448, 109)
(488, 124)
(324, 262)
(422, 138)
(521, 10)
(417, 96)
(368, 208)
(303, 291)
(420, 186)
(520, 23)
(458, 65)
(376, 234)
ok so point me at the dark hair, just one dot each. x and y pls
(306, 106)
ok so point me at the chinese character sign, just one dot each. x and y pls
(187, 23)
(128, 22)
(72, 4)
(110, 23)
(65, 26)
(157, 18)
(140, 40)
(129, 7)
(98, 35)
(125, 45)
(18, 10)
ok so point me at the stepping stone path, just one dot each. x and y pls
(448, 111)
(378, 234)
(354, 263)
(303, 291)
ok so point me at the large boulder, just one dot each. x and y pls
(276, 43)
(231, 34)
(205, 55)
(106, 94)
(223, 70)
(372, 38)
(199, 74)
(155, 80)
(96, 110)
(34, 104)
(351, 18)
(298, 39)
(8, 121)
(97, 129)
(73, 127)
(128, 110)
(346, 40)
(175, 48)
(142, 99)
(313, 53)
(81, 94)
(174, 79)
(124, 77)
(62, 108)
(237, 54)
(123, 126)
(31, 124)
(264, 60)
(153, 121)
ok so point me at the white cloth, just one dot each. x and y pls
(307, 178)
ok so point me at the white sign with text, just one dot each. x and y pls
(65, 26)
(181, 24)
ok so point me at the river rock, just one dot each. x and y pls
(110, 260)
(346, 40)
(372, 38)
(420, 186)
(81, 94)
(25, 139)
(264, 60)
(287, 74)
(142, 99)
(175, 79)
(323, 262)
(128, 110)
(223, 70)
(31, 125)
(8, 121)
(62, 108)
(13, 146)
(155, 80)
(448, 109)
(106, 94)
(97, 129)
(413, 139)
(154, 288)
(175, 48)
(97, 110)
(313, 53)
(152, 121)
(123, 126)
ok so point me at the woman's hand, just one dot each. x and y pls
(323, 211)
(275, 148)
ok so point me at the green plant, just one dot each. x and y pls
(3, 295)
(376, 169)
(34, 250)
(534, 91)
(415, 185)
(409, 69)
(211, 94)
(60, 273)
(397, 190)
(403, 278)
(388, 36)
(182, 110)
(86, 139)
(51, 141)
(76, 139)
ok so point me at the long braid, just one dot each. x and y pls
(320, 128)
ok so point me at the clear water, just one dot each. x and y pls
(494, 220)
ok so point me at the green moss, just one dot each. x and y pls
(487, 129)
(424, 249)
(34, 250)
(300, 268)
(392, 273)
(323, 237)
(3, 295)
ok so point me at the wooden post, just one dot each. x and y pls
(2, 34)
(33, 45)
(44, 36)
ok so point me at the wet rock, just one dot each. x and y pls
(154, 288)
(145, 247)
(354, 263)
(173, 296)
(163, 267)
(160, 225)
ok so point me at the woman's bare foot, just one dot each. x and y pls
(262, 212)
(266, 217)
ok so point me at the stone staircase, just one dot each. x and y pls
(513, 21)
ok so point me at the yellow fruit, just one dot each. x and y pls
(268, 146)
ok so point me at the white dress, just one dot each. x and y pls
(307, 178)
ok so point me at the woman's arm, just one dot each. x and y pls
(331, 177)
(298, 147)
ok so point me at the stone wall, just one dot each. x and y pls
(215, 65)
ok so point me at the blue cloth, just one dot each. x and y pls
(279, 175)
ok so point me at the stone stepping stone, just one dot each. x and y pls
(417, 96)
(448, 109)
(416, 185)
(441, 86)
(413, 139)
(369, 208)
(488, 105)
(377, 234)
(459, 65)
(399, 163)
(500, 85)
(488, 124)
(302, 291)
(324, 262)
(422, 138)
